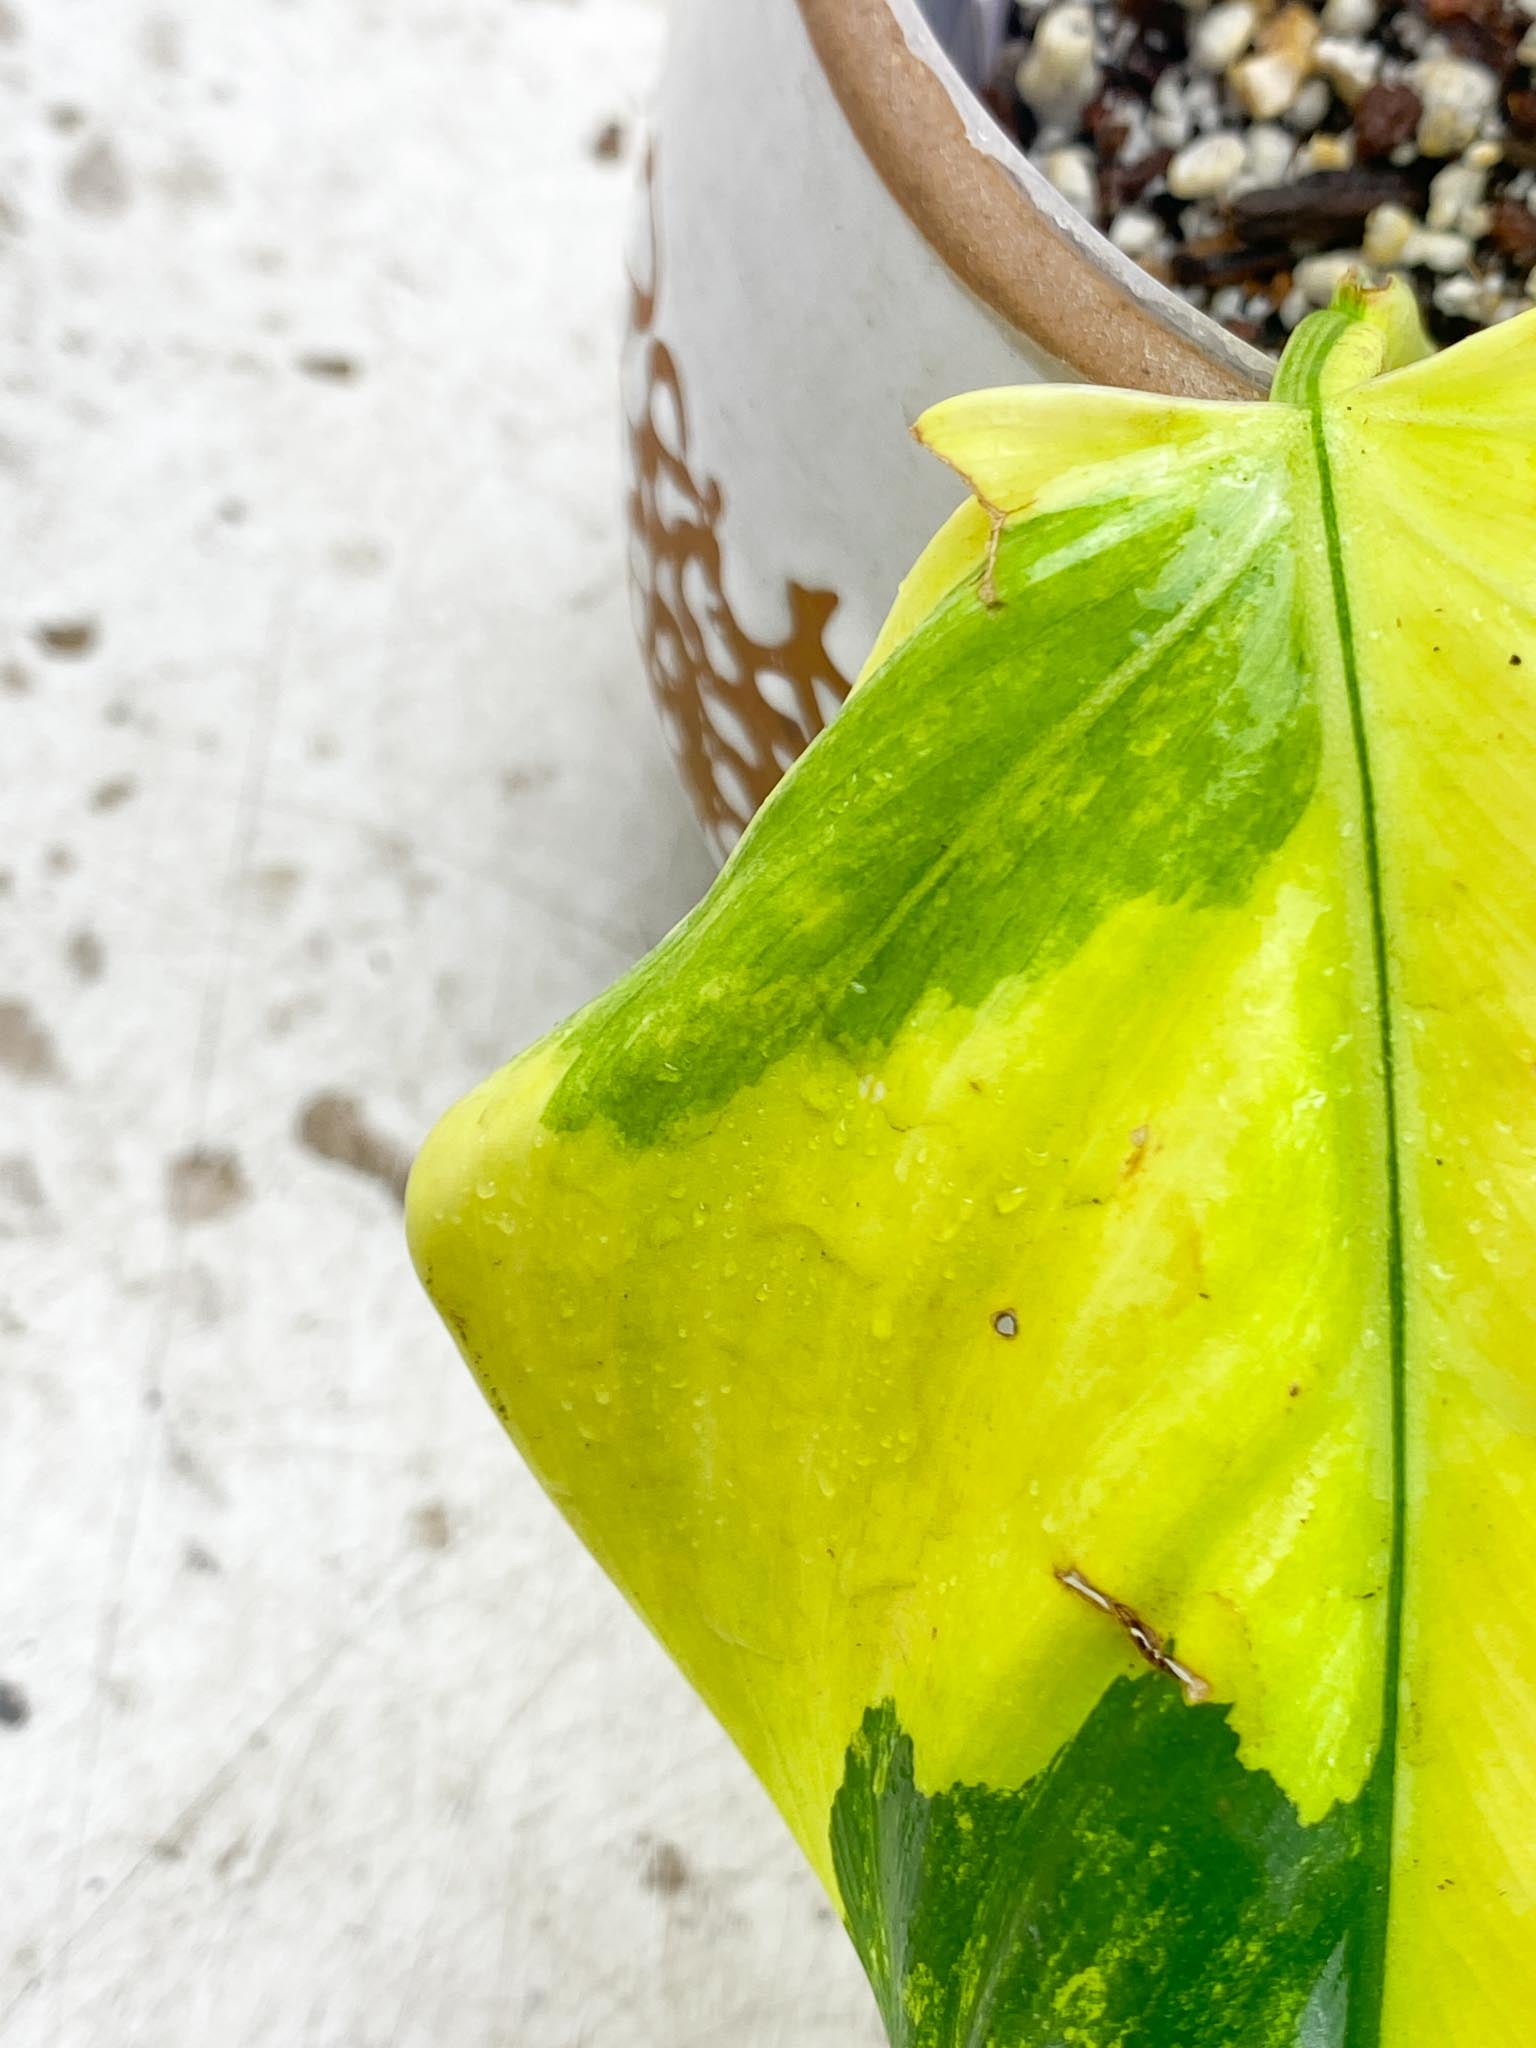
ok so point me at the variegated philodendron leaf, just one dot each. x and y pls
(1031, 1289)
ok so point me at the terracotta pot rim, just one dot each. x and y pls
(1001, 226)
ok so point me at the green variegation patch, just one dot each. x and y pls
(1099, 762)
(1144, 1889)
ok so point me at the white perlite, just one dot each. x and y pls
(1458, 295)
(1456, 95)
(1348, 66)
(1386, 234)
(1439, 252)
(1202, 101)
(1270, 150)
(1265, 85)
(1349, 17)
(1318, 277)
(1294, 308)
(1169, 124)
(1221, 36)
(1456, 198)
(1071, 171)
(1326, 153)
(1199, 220)
(1135, 232)
(1206, 168)
(1060, 75)
(1311, 106)
(1414, 33)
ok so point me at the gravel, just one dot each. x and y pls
(1250, 153)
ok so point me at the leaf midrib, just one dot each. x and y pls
(1366, 2012)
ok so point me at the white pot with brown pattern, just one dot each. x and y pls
(833, 233)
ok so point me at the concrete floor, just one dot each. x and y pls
(328, 781)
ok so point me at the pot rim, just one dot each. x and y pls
(1001, 226)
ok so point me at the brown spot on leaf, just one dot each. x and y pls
(204, 1184)
(608, 142)
(1006, 1323)
(26, 1048)
(333, 1127)
(96, 180)
(199, 1559)
(664, 1871)
(15, 1707)
(14, 679)
(71, 638)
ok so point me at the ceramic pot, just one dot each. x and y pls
(833, 232)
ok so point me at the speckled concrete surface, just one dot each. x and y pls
(328, 781)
